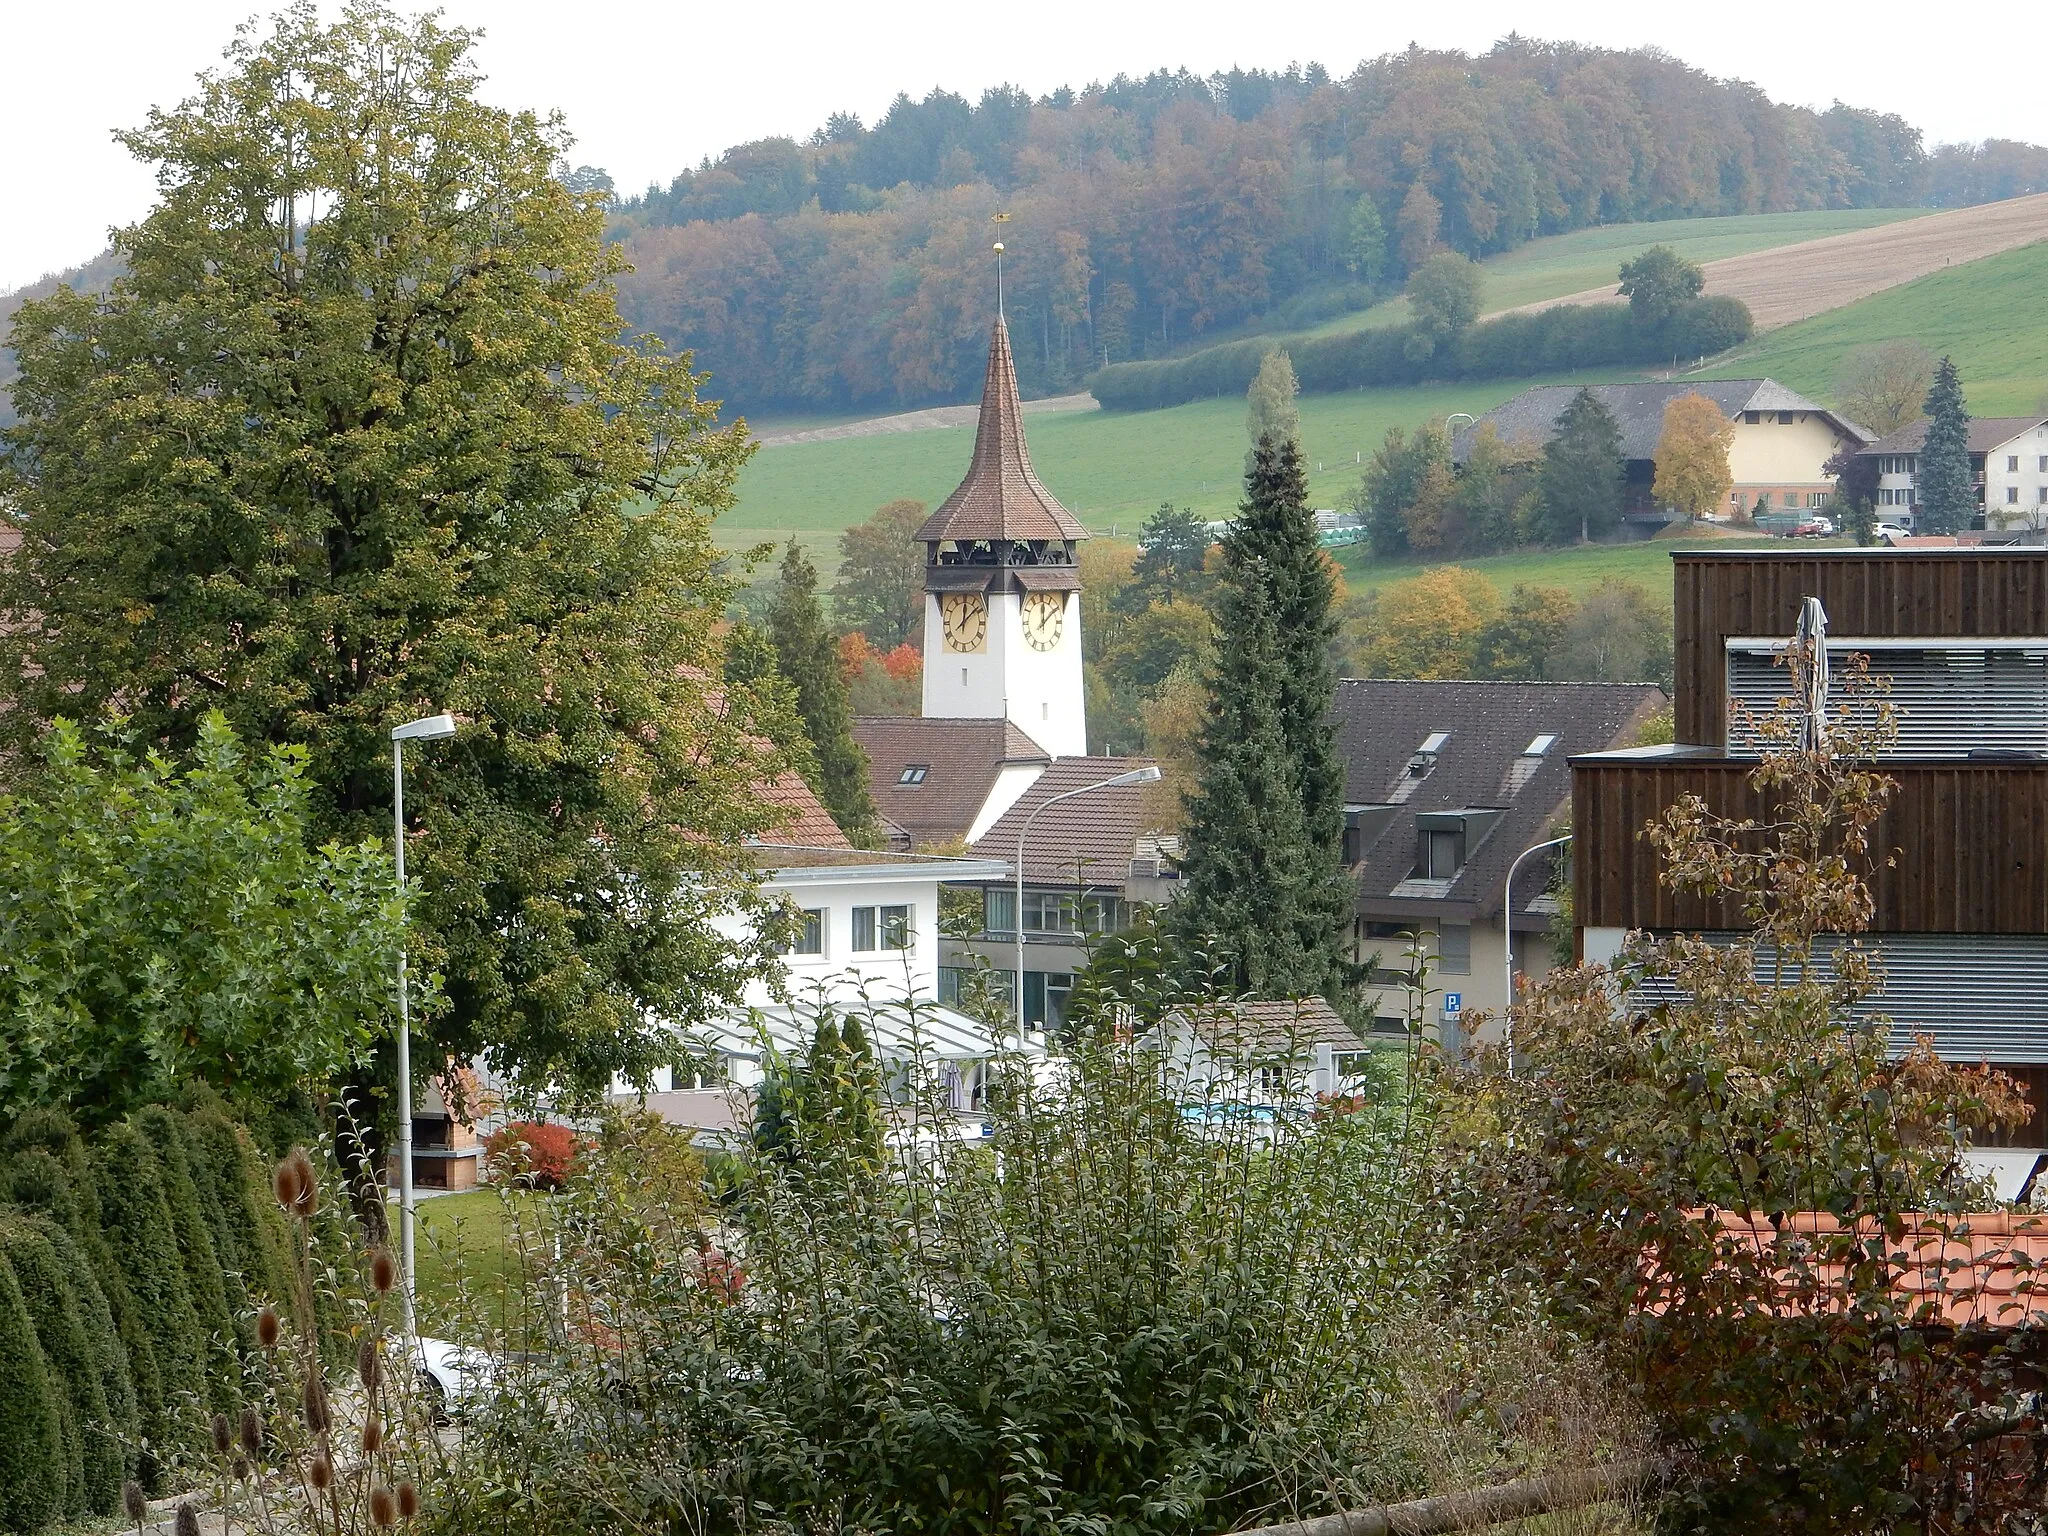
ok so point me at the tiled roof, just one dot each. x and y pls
(961, 759)
(1001, 498)
(1639, 410)
(804, 820)
(1381, 725)
(1089, 839)
(1986, 433)
(1268, 1024)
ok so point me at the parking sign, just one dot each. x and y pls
(1454, 1002)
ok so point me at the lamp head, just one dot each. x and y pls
(429, 728)
(1149, 774)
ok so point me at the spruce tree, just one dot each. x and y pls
(1582, 475)
(1948, 499)
(32, 1481)
(806, 655)
(1173, 547)
(1264, 892)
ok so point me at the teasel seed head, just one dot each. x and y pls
(268, 1329)
(320, 1470)
(383, 1271)
(308, 1201)
(408, 1500)
(383, 1506)
(241, 1469)
(284, 1183)
(187, 1523)
(369, 1364)
(133, 1504)
(316, 1406)
(222, 1435)
(252, 1433)
(373, 1434)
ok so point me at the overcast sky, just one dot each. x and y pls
(649, 88)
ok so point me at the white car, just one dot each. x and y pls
(456, 1378)
(1891, 533)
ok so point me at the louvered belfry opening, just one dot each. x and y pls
(1001, 515)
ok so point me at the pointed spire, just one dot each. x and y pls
(1002, 497)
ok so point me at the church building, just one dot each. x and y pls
(1005, 726)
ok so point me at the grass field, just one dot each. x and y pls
(465, 1245)
(1578, 571)
(1109, 467)
(1988, 315)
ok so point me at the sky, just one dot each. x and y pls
(650, 88)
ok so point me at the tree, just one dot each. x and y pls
(1263, 894)
(158, 920)
(1855, 476)
(1173, 547)
(1444, 297)
(1619, 635)
(1148, 648)
(880, 590)
(1365, 242)
(1948, 496)
(1269, 403)
(1517, 644)
(1658, 283)
(32, 1462)
(1416, 225)
(1882, 387)
(1582, 474)
(1393, 480)
(1428, 626)
(92, 1437)
(1692, 456)
(1494, 489)
(360, 435)
(807, 656)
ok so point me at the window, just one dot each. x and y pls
(1784, 418)
(1353, 1064)
(1454, 949)
(2012, 463)
(1048, 912)
(2044, 464)
(687, 1076)
(2012, 494)
(810, 933)
(881, 928)
(2041, 495)
(863, 929)
(1045, 998)
(1389, 1024)
(1751, 418)
(913, 773)
(1441, 855)
(1103, 914)
(1816, 498)
(896, 931)
(998, 911)
(1540, 745)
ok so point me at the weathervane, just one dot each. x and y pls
(999, 220)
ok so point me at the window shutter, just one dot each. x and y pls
(1946, 701)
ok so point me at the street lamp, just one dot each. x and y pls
(430, 728)
(1507, 935)
(1149, 774)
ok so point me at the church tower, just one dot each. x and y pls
(1002, 610)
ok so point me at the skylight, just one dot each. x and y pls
(1436, 742)
(914, 773)
(1540, 745)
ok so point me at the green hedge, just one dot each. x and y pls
(1563, 339)
(32, 1462)
(78, 1350)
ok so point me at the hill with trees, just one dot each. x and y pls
(849, 271)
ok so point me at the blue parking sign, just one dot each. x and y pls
(1454, 1002)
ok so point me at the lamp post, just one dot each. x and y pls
(1507, 941)
(429, 728)
(1149, 774)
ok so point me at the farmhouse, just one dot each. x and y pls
(1782, 439)
(2008, 462)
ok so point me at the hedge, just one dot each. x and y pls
(94, 1440)
(32, 1481)
(205, 1280)
(1564, 338)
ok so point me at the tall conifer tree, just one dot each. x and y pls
(806, 655)
(1948, 499)
(1582, 474)
(1264, 887)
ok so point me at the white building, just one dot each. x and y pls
(2008, 462)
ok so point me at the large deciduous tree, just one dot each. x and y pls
(1173, 547)
(1581, 479)
(880, 590)
(1658, 283)
(1692, 456)
(1948, 496)
(359, 436)
(1883, 387)
(1264, 893)
(807, 656)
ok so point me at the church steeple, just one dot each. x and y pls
(1002, 634)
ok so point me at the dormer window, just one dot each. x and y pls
(1440, 853)
(914, 773)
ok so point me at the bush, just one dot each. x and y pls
(536, 1153)
(205, 1283)
(249, 1233)
(32, 1450)
(1562, 339)
(93, 1440)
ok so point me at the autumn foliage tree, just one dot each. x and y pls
(1692, 456)
(880, 590)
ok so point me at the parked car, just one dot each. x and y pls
(1815, 528)
(1891, 533)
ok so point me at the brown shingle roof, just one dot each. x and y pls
(804, 820)
(1382, 724)
(961, 758)
(1089, 839)
(1271, 1024)
(1986, 433)
(1001, 498)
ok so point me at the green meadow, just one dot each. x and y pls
(1578, 571)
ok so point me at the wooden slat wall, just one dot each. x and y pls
(1875, 593)
(1971, 841)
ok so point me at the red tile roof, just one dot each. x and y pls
(805, 820)
(1087, 840)
(962, 759)
(1001, 498)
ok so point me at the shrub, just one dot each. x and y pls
(94, 1441)
(166, 1133)
(248, 1233)
(536, 1153)
(32, 1450)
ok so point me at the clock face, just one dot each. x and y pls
(964, 616)
(1044, 615)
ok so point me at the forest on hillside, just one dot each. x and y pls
(853, 269)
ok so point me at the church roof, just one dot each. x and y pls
(1001, 498)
